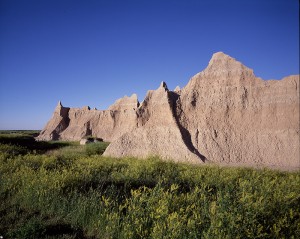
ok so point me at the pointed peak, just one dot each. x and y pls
(221, 57)
(223, 64)
(125, 103)
(177, 89)
(164, 86)
(134, 96)
(60, 109)
(59, 104)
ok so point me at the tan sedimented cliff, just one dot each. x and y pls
(225, 114)
(235, 117)
(157, 132)
(76, 123)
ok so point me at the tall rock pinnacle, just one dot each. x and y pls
(164, 86)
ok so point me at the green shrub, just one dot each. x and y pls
(12, 150)
(95, 148)
(33, 228)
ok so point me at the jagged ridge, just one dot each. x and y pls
(224, 114)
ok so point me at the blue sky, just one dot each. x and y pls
(86, 52)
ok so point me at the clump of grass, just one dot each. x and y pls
(95, 148)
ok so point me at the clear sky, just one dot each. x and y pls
(92, 52)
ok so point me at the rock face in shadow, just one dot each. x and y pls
(225, 114)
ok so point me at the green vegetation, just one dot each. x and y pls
(20, 132)
(65, 190)
(25, 139)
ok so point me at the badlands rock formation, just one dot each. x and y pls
(76, 123)
(157, 132)
(225, 114)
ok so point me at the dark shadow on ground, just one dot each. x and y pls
(63, 229)
(27, 141)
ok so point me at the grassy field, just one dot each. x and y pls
(65, 190)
